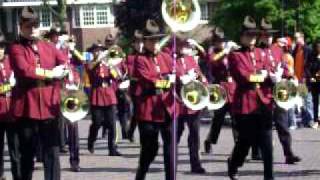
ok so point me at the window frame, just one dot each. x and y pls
(110, 23)
(40, 13)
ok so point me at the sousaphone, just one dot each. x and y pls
(217, 97)
(74, 105)
(184, 15)
(285, 94)
(194, 95)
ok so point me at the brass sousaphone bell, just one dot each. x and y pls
(217, 97)
(184, 15)
(285, 94)
(74, 105)
(194, 95)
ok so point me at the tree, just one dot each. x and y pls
(287, 15)
(60, 13)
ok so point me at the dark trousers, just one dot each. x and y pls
(13, 145)
(252, 129)
(123, 107)
(315, 91)
(48, 131)
(73, 140)
(62, 130)
(193, 123)
(103, 116)
(216, 125)
(149, 132)
(281, 121)
(133, 123)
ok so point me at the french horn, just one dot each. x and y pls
(285, 93)
(217, 97)
(194, 95)
(184, 15)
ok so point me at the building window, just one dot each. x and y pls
(93, 16)
(204, 11)
(76, 16)
(45, 17)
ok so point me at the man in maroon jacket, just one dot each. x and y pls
(278, 70)
(188, 70)
(252, 102)
(155, 108)
(38, 66)
(7, 124)
(218, 63)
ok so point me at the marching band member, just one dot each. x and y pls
(123, 105)
(155, 105)
(7, 124)
(278, 70)
(218, 64)
(131, 61)
(188, 70)
(252, 102)
(103, 101)
(38, 67)
(72, 82)
(54, 36)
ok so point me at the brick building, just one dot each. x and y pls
(88, 20)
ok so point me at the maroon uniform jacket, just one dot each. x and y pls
(248, 98)
(273, 55)
(103, 86)
(30, 100)
(153, 106)
(184, 65)
(5, 73)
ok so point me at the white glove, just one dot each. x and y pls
(264, 73)
(192, 42)
(275, 78)
(102, 55)
(59, 71)
(192, 73)
(280, 70)
(72, 46)
(229, 46)
(157, 48)
(124, 85)
(172, 78)
(295, 82)
(72, 86)
(12, 80)
(185, 79)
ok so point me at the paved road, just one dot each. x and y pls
(102, 167)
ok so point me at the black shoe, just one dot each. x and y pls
(131, 139)
(232, 171)
(292, 159)
(256, 156)
(91, 148)
(207, 147)
(63, 149)
(115, 153)
(75, 168)
(198, 170)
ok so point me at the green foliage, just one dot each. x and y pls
(287, 15)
